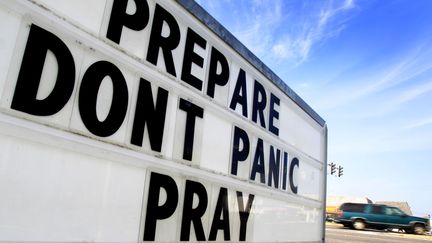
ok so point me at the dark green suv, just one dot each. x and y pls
(360, 216)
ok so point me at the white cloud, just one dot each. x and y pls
(380, 141)
(281, 31)
(414, 92)
(297, 44)
(257, 25)
(281, 51)
(421, 123)
(407, 68)
(328, 13)
(377, 79)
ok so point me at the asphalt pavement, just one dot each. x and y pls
(335, 233)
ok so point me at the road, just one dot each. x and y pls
(337, 234)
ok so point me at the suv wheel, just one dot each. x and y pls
(359, 224)
(419, 229)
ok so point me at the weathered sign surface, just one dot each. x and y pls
(130, 121)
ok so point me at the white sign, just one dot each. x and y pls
(131, 121)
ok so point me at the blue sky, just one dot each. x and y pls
(366, 68)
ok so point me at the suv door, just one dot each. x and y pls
(395, 217)
(375, 216)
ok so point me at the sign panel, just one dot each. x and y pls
(131, 121)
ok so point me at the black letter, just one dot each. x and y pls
(120, 18)
(218, 223)
(236, 97)
(274, 167)
(213, 77)
(190, 57)
(147, 112)
(167, 44)
(285, 171)
(274, 114)
(244, 213)
(193, 215)
(294, 162)
(154, 211)
(258, 105)
(237, 154)
(38, 44)
(88, 97)
(192, 111)
(258, 162)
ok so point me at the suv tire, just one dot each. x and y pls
(359, 224)
(418, 229)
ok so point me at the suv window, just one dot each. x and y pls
(393, 211)
(377, 209)
(353, 207)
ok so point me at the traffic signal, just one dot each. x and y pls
(332, 168)
(340, 173)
